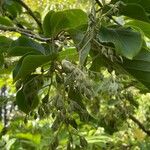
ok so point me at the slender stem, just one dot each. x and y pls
(30, 12)
(140, 125)
(24, 32)
(99, 3)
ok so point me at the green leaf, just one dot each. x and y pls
(22, 102)
(18, 65)
(20, 51)
(97, 62)
(82, 41)
(36, 138)
(144, 3)
(134, 11)
(68, 54)
(78, 33)
(30, 63)
(5, 43)
(1, 60)
(47, 22)
(123, 39)
(12, 7)
(55, 22)
(24, 41)
(27, 101)
(139, 67)
(84, 51)
(144, 26)
(5, 21)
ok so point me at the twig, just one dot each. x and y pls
(114, 20)
(140, 125)
(24, 32)
(30, 12)
(99, 3)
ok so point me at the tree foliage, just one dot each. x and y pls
(79, 76)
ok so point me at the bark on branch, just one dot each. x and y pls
(30, 12)
(140, 125)
(24, 32)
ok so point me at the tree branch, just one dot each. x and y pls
(140, 125)
(24, 32)
(30, 12)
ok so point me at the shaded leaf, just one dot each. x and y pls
(22, 102)
(26, 42)
(5, 21)
(144, 3)
(20, 51)
(12, 7)
(5, 43)
(134, 11)
(1, 60)
(55, 22)
(123, 39)
(78, 33)
(84, 51)
(139, 67)
(144, 26)
(27, 101)
(30, 63)
(18, 65)
(47, 22)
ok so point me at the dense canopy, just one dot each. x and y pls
(75, 74)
